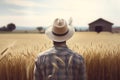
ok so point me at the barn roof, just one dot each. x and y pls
(100, 19)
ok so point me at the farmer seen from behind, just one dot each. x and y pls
(59, 62)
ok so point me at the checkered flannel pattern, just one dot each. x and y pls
(59, 63)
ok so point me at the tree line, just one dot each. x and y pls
(41, 29)
(10, 27)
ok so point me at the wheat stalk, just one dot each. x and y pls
(70, 60)
(4, 51)
(60, 60)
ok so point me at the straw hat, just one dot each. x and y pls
(60, 31)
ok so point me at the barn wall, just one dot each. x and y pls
(106, 26)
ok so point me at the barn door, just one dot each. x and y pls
(98, 29)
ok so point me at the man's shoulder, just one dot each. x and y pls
(47, 52)
(42, 55)
(52, 51)
(78, 57)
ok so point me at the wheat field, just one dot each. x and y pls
(100, 51)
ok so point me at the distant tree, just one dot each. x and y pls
(25, 31)
(11, 27)
(40, 29)
(3, 28)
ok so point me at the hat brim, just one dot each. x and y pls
(53, 37)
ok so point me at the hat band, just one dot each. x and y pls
(60, 34)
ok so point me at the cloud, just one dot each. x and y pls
(24, 12)
(25, 3)
(37, 12)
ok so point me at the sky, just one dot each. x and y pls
(33, 13)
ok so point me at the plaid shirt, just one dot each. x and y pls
(59, 63)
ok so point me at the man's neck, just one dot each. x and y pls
(59, 43)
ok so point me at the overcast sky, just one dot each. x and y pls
(43, 12)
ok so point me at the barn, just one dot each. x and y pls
(100, 25)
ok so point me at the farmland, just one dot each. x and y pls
(100, 51)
